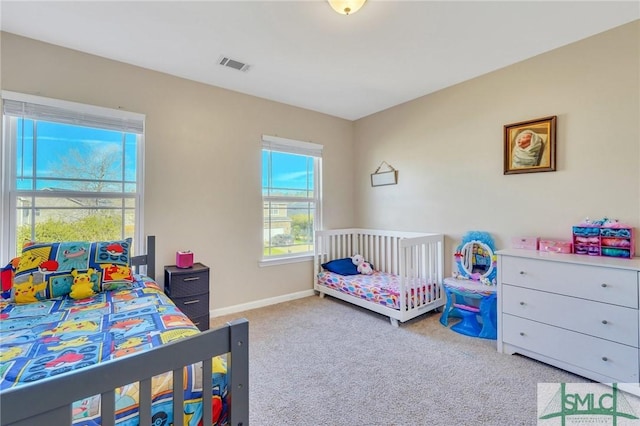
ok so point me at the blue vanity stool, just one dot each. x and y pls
(461, 295)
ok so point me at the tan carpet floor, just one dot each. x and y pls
(318, 361)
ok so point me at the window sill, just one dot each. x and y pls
(285, 260)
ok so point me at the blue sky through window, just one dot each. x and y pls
(291, 174)
(64, 151)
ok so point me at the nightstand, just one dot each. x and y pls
(189, 290)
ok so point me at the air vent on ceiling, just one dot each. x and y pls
(232, 63)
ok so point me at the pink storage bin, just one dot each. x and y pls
(528, 243)
(555, 246)
(184, 259)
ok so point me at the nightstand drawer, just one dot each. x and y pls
(202, 322)
(186, 282)
(193, 306)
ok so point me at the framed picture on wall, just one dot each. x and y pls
(530, 146)
(387, 177)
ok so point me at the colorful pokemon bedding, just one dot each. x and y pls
(380, 287)
(50, 337)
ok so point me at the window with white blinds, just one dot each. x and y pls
(291, 195)
(71, 172)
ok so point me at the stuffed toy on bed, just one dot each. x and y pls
(82, 286)
(363, 266)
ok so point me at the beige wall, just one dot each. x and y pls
(203, 162)
(448, 148)
(203, 153)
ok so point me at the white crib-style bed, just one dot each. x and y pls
(408, 266)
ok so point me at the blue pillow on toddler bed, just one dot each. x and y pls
(341, 266)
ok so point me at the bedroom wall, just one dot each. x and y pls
(448, 148)
(203, 161)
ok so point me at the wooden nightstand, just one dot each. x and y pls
(189, 290)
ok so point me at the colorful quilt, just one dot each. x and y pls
(50, 337)
(380, 287)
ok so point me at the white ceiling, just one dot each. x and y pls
(304, 54)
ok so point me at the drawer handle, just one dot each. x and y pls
(196, 323)
(522, 333)
(522, 303)
(522, 273)
(604, 358)
(191, 279)
(603, 285)
(191, 302)
(605, 322)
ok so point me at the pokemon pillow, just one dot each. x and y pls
(45, 270)
(6, 278)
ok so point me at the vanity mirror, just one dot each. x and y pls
(475, 257)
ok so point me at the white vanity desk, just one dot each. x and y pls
(579, 313)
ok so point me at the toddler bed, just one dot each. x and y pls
(126, 356)
(408, 270)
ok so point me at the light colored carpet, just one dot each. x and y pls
(319, 362)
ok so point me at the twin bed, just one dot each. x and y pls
(126, 356)
(408, 270)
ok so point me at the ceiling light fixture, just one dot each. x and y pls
(346, 7)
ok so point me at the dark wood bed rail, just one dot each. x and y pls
(49, 401)
(148, 259)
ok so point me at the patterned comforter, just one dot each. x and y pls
(50, 337)
(380, 287)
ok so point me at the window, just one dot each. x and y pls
(70, 172)
(291, 196)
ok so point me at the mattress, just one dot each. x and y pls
(50, 337)
(380, 287)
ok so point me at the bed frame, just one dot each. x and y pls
(56, 395)
(415, 257)
(147, 260)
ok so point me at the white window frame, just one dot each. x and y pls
(117, 119)
(291, 146)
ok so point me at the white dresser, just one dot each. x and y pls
(578, 313)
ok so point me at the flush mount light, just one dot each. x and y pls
(346, 7)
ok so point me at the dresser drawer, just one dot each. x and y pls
(187, 284)
(611, 322)
(609, 285)
(620, 362)
(193, 306)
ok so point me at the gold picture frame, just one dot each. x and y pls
(530, 146)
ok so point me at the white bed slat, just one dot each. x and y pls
(333, 246)
(346, 246)
(393, 256)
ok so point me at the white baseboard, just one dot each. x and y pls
(260, 303)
